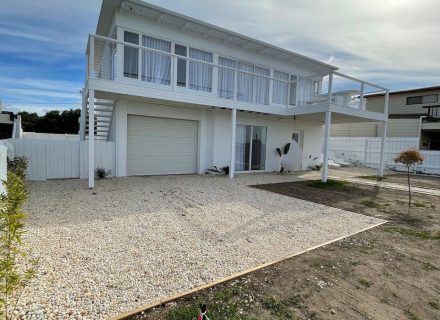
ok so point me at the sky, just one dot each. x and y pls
(394, 43)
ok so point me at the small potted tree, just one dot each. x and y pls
(409, 158)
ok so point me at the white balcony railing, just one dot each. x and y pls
(114, 60)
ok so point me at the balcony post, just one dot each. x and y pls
(82, 126)
(91, 56)
(384, 135)
(361, 97)
(330, 87)
(233, 128)
(91, 141)
(270, 86)
(328, 119)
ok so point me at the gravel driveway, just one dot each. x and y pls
(134, 240)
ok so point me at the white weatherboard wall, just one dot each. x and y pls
(3, 167)
(52, 159)
(366, 151)
(214, 133)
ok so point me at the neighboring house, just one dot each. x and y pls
(412, 113)
(178, 95)
(10, 125)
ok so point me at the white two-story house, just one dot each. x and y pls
(178, 95)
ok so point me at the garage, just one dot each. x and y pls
(161, 146)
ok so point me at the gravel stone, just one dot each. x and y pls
(134, 240)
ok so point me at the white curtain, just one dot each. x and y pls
(200, 74)
(293, 86)
(261, 86)
(226, 78)
(131, 55)
(305, 90)
(280, 88)
(245, 86)
(156, 67)
(240, 145)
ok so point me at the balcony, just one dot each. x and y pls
(160, 69)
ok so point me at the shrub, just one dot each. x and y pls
(101, 173)
(18, 166)
(14, 277)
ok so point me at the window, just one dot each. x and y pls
(181, 65)
(192, 74)
(131, 55)
(293, 88)
(156, 66)
(280, 88)
(252, 88)
(250, 148)
(200, 74)
(226, 78)
(432, 98)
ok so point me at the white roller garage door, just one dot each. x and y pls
(161, 146)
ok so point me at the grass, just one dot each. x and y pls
(224, 306)
(411, 315)
(375, 178)
(366, 283)
(420, 234)
(329, 184)
(434, 304)
(277, 308)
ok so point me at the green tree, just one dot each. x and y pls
(53, 121)
(409, 158)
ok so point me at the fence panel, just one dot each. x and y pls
(58, 159)
(366, 151)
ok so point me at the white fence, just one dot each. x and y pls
(3, 167)
(58, 159)
(366, 151)
(49, 136)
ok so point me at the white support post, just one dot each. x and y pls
(330, 87)
(361, 97)
(233, 128)
(91, 57)
(384, 135)
(91, 139)
(328, 119)
(382, 148)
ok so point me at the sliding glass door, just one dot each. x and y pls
(250, 148)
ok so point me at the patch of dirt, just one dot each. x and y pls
(417, 180)
(389, 272)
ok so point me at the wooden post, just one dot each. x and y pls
(91, 138)
(328, 119)
(233, 128)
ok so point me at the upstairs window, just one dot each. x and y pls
(432, 98)
(192, 74)
(131, 55)
(181, 65)
(226, 78)
(156, 66)
(280, 87)
(250, 86)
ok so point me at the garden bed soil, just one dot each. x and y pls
(389, 272)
